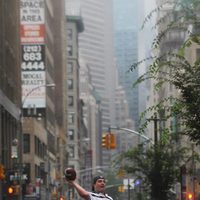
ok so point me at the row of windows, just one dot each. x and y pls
(70, 86)
(40, 147)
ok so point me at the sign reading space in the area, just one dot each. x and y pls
(33, 53)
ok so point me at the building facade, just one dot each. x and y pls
(43, 97)
(10, 91)
(74, 26)
(93, 121)
(173, 40)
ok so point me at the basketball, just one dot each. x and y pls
(70, 174)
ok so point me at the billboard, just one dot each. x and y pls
(33, 57)
(33, 77)
(32, 12)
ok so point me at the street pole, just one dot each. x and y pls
(128, 189)
(155, 119)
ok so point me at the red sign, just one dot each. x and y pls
(32, 34)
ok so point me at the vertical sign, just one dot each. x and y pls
(33, 53)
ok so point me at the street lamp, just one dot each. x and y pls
(52, 85)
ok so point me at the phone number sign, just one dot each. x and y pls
(33, 57)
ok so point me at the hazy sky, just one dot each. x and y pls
(149, 5)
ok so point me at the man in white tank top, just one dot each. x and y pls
(98, 189)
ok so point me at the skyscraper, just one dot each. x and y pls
(96, 49)
(126, 50)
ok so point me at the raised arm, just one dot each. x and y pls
(81, 191)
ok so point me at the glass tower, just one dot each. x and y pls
(126, 50)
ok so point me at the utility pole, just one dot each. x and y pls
(155, 120)
(128, 189)
(156, 159)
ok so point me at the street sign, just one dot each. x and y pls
(128, 183)
(16, 176)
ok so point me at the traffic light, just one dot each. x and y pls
(108, 141)
(121, 173)
(13, 190)
(2, 172)
(189, 196)
(112, 141)
(105, 141)
(121, 188)
(10, 190)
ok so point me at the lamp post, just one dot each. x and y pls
(52, 85)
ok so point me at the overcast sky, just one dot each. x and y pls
(149, 5)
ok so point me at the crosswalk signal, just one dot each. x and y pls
(105, 141)
(2, 172)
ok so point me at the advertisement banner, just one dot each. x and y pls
(32, 34)
(33, 57)
(33, 89)
(32, 12)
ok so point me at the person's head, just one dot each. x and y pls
(99, 184)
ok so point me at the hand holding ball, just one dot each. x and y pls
(70, 174)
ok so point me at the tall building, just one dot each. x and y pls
(126, 51)
(44, 114)
(173, 40)
(74, 26)
(60, 61)
(96, 49)
(92, 119)
(95, 46)
(10, 89)
(124, 140)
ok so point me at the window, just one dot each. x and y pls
(69, 34)
(71, 134)
(70, 68)
(26, 143)
(70, 84)
(71, 118)
(70, 101)
(71, 151)
(69, 50)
